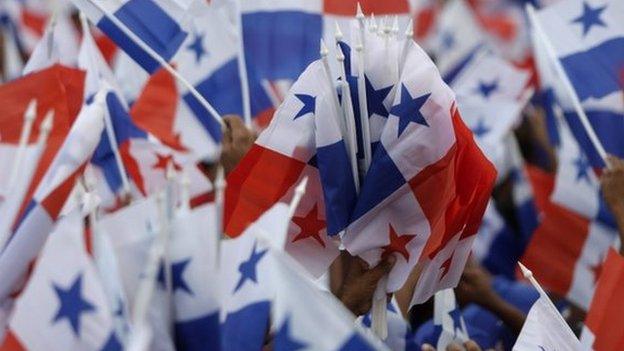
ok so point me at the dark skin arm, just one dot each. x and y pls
(612, 184)
(475, 287)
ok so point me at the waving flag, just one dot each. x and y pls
(50, 196)
(587, 38)
(448, 323)
(64, 306)
(307, 317)
(131, 232)
(59, 44)
(545, 329)
(278, 161)
(568, 264)
(193, 276)
(397, 211)
(603, 326)
(490, 96)
(246, 283)
(400, 334)
(157, 23)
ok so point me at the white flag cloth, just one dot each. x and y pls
(545, 329)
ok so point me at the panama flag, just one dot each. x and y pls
(284, 154)
(490, 94)
(50, 196)
(577, 187)
(424, 147)
(604, 327)
(587, 38)
(457, 40)
(545, 329)
(306, 317)
(193, 262)
(159, 24)
(131, 231)
(64, 306)
(448, 325)
(246, 284)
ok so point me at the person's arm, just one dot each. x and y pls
(475, 286)
(612, 184)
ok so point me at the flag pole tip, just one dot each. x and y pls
(48, 120)
(339, 54)
(301, 188)
(323, 50)
(525, 271)
(395, 25)
(359, 14)
(338, 32)
(409, 30)
(31, 111)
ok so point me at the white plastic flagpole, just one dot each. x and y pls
(299, 192)
(185, 194)
(395, 27)
(29, 119)
(242, 67)
(360, 49)
(529, 275)
(409, 35)
(347, 105)
(16, 194)
(217, 117)
(220, 185)
(338, 110)
(372, 24)
(576, 103)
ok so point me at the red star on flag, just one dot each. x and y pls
(163, 161)
(397, 244)
(310, 226)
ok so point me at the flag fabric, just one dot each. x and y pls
(246, 284)
(48, 200)
(400, 334)
(277, 162)
(131, 231)
(159, 24)
(193, 259)
(397, 195)
(569, 264)
(603, 325)
(490, 96)
(577, 187)
(545, 329)
(59, 44)
(587, 40)
(448, 325)
(307, 317)
(13, 63)
(64, 306)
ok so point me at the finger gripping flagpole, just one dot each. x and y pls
(576, 103)
(130, 34)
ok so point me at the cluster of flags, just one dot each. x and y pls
(114, 235)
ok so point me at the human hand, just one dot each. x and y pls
(475, 286)
(358, 286)
(237, 140)
(612, 184)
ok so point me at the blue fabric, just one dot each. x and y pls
(281, 44)
(596, 72)
(198, 334)
(112, 344)
(152, 25)
(450, 76)
(356, 343)
(245, 329)
(338, 186)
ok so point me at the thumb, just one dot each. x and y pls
(383, 268)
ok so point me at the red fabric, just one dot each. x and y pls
(11, 343)
(424, 21)
(348, 7)
(261, 178)
(606, 314)
(498, 24)
(58, 88)
(53, 202)
(453, 192)
(107, 47)
(155, 109)
(34, 21)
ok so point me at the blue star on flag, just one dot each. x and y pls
(480, 130)
(590, 17)
(247, 268)
(177, 276)
(582, 168)
(197, 46)
(73, 305)
(408, 110)
(486, 89)
(456, 317)
(309, 105)
(375, 99)
(284, 341)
